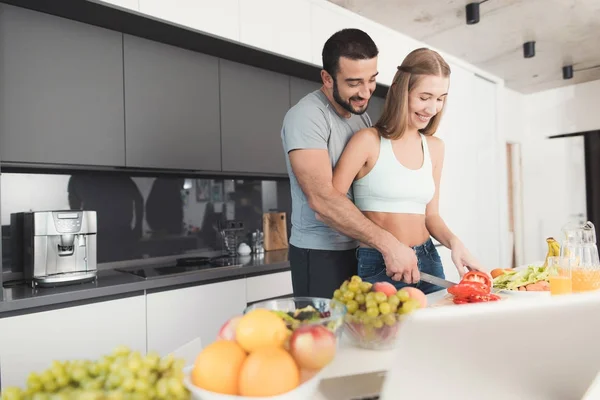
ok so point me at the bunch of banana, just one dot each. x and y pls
(553, 249)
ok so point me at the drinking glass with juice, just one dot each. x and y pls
(559, 276)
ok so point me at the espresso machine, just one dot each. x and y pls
(59, 247)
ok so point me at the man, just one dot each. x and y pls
(325, 223)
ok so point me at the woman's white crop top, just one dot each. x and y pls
(391, 187)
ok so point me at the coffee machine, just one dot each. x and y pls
(59, 247)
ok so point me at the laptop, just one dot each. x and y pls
(538, 349)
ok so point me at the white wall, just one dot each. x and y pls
(553, 170)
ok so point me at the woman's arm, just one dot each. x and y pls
(433, 221)
(354, 158)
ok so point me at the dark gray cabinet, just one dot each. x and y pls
(61, 90)
(171, 107)
(300, 88)
(253, 104)
(375, 108)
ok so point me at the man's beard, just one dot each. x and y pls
(346, 104)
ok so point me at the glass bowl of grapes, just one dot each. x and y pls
(375, 311)
(300, 311)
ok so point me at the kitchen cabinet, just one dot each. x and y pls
(31, 342)
(171, 107)
(253, 104)
(300, 88)
(175, 317)
(269, 286)
(62, 90)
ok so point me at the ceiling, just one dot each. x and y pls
(565, 32)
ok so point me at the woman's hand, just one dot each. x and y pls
(463, 260)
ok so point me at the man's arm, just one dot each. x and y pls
(313, 171)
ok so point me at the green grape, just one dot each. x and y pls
(370, 303)
(378, 323)
(344, 285)
(380, 297)
(337, 294)
(372, 311)
(389, 319)
(409, 306)
(370, 296)
(360, 298)
(365, 287)
(359, 313)
(352, 306)
(12, 393)
(394, 308)
(385, 308)
(393, 300)
(348, 295)
(402, 295)
(356, 279)
(354, 287)
(122, 375)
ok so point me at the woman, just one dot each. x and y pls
(395, 169)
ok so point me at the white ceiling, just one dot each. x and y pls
(565, 31)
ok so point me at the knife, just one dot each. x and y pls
(434, 280)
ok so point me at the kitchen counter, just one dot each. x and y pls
(113, 284)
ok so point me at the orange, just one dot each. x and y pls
(268, 371)
(217, 367)
(259, 328)
(499, 271)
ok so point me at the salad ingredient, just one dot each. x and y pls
(524, 280)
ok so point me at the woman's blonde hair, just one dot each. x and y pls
(394, 120)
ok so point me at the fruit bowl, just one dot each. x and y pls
(306, 390)
(300, 311)
(375, 312)
(372, 334)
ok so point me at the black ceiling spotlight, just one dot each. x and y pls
(567, 72)
(472, 13)
(529, 49)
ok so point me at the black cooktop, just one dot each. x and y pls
(182, 266)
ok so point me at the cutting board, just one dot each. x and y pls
(275, 231)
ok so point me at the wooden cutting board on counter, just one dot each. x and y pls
(275, 231)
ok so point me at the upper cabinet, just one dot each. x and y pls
(300, 88)
(253, 104)
(62, 91)
(171, 107)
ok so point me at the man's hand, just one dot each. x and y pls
(463, 260)
(401, 263)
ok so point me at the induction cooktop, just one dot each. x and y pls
(182, 266)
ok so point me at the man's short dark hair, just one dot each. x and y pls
(349, 43)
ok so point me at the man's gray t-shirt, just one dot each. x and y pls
(313, 123)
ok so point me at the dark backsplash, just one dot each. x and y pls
(144, 217)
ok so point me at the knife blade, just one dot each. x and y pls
(434, 280)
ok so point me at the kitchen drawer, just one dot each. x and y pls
(269, 286)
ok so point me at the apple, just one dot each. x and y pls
(313, 346)
(385, 287)
(416, 294)
(227, 331)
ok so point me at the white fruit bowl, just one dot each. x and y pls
(305, 391)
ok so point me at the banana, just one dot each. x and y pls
(553, 249)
